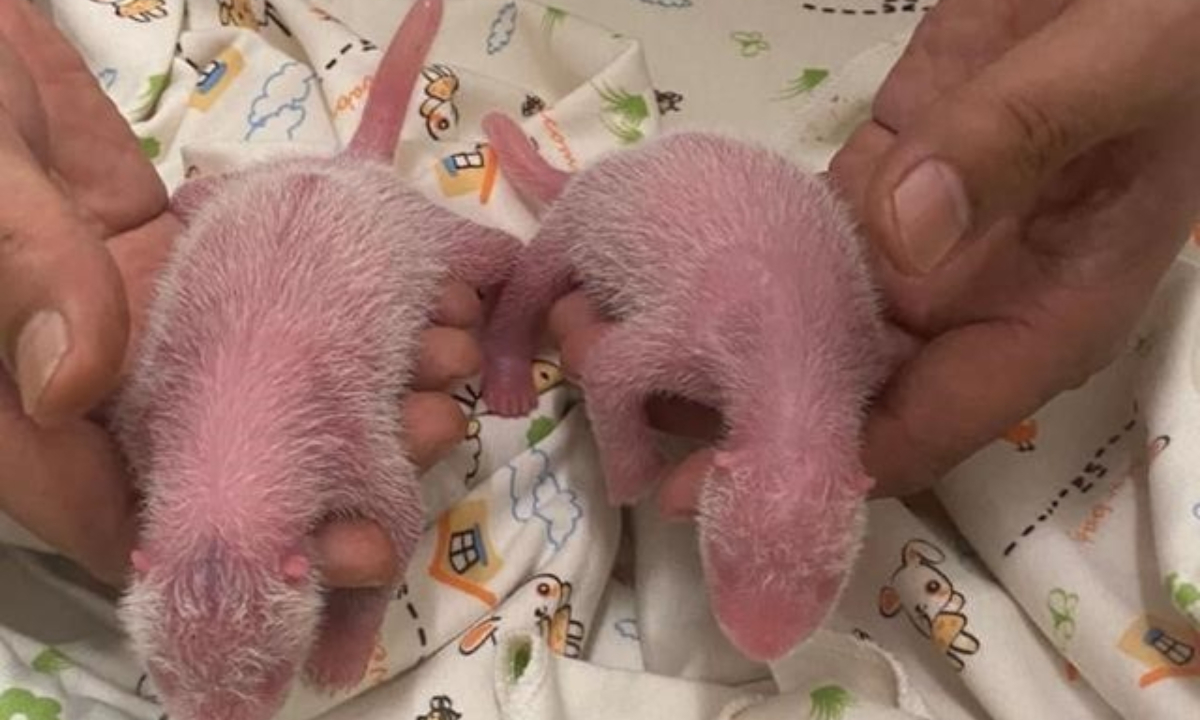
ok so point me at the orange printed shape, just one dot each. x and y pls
(464, 557)
(1023, 434)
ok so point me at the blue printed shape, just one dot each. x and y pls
(549, 501)
(670, 3)
(282, 101)
(503, 28)
(627, 628)
(107, 77)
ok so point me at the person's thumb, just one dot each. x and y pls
(64, 318)
(987, 148)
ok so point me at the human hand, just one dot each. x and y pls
(1072, 126)
(83, 231)
(1065, 177)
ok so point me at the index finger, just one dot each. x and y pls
(961, 392)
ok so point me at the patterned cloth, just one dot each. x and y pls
(1071, 591)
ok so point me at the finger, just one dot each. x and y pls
(459, 307)
(853, 165)
(66, 485)
(21, 105)
(961, 392)
(433, 426)
(679, 498)
(355, 554)
(575, 326)
(140, 255)
(571, 313)
(90, 145)
(953, 43)
(63, 313)
(447, 355)
(985, 149)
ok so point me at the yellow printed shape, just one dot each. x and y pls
(216, 78)
(1168, 649)
(467, 172)
(464, 557)
(377, 669)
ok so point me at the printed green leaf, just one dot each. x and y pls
(750, 43)
(151, 147)
(155, 85)
(1184, 594)
(626, 134)
(521, 656)
(538, 430)
(19, 703)
(809, 79)
(829, 702)
(51, 661)
(552, 18)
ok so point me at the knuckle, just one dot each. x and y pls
(1042, 138)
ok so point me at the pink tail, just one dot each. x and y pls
(542, 274)
(482, 257)
(394, 81)
(522, 165)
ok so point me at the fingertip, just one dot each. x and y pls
(459, 306)
(447, 355)
(66, 348)
(434, 425)
(572, 313)
(679, 498)
(355, 554)
(575, 348)
(888, 459)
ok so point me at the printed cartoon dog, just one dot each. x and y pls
(929, 600)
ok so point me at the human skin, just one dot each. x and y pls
(84, 230)
(1066, 176)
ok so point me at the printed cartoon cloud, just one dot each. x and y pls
(547, 499)
(283, 100)
(503, 28)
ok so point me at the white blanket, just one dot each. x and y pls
(1072, 591)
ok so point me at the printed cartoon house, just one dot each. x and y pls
(468, 172)
(1166, 648)
(465, 558)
